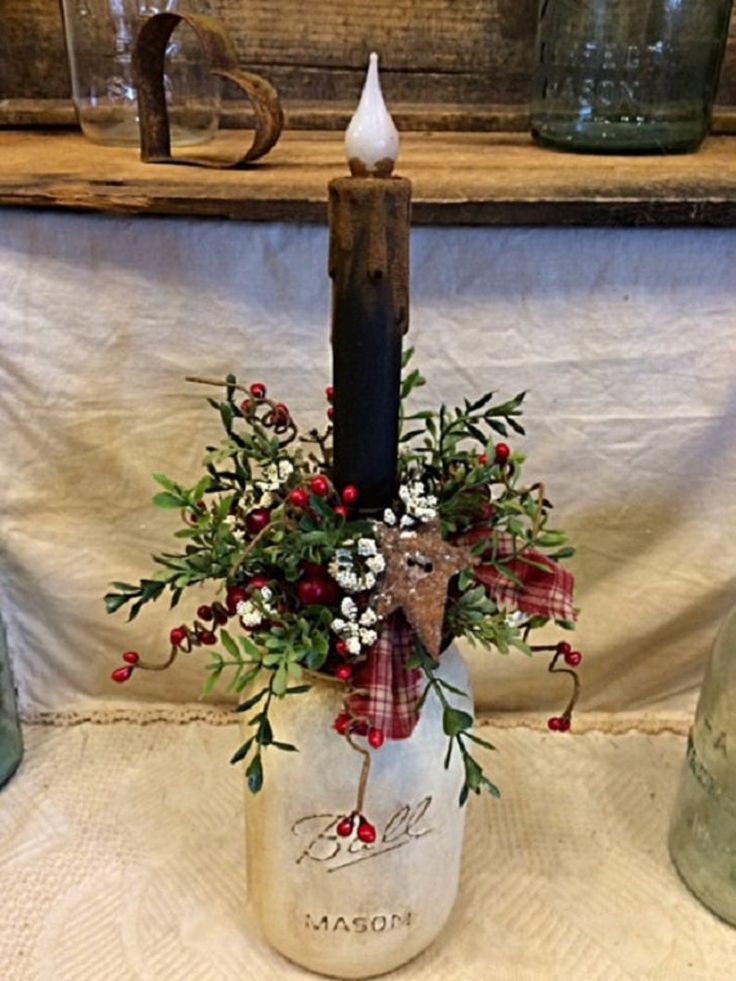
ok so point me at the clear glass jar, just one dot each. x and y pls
(627, 76)
(100, 35)
(11, 745)
(703, 830)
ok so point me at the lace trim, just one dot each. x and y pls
(677, 723)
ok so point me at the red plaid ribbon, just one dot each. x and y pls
(546, 588)
(390, 691)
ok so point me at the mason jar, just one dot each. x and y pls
(627, 76)
(11, 746)
(100, 36)
(703, 831)
(336, 905)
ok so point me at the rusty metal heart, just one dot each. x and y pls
(149, 58)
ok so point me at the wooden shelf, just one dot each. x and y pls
(459, 179)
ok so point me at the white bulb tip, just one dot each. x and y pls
(371, 139)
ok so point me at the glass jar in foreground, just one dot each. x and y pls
(703, 831)
(100, 35)
(11, 746)
(627, 76)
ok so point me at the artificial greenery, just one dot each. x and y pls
(265, 529)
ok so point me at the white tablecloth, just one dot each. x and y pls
(121, 859)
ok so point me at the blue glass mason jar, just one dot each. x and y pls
(11, 745)
(627, 76)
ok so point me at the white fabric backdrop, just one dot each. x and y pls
(624, 339)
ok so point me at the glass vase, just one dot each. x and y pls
(335, 905)
(11, 745)
(100, 36)
(627, 76)
(703, 831)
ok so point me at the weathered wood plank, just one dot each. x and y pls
(477, 53)
(459, 178)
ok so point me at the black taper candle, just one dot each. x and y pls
(369, 265)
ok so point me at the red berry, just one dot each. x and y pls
(342, 723)
(121, 674)
(317, 592)
(343, 672)
(345, 827)
(503, 452)
(177, 636)
(319, 486)
(360, 728)
(341, 512)
(483, 459)
(299, 498)
(309, 592)
(235, 595)
(208, 638)
(342, 648)
(366, 832)
(350, 495)
(313, 570)
(375, 737)
(330, 413)
(282, 412)
(573, 658)
(554, 723)
(257, 520)
(564, 725)
(131, 657)
(257, 582)
(205, 612)
(330, 393)
(244, 406)
(258, 390)
(564, 648)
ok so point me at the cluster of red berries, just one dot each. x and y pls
(279, 417)
(571, 657)
(320, 487)
(561, 723)
(366, 831)
(502, 453)
(124, 672)
(183, 638)
(345, 725)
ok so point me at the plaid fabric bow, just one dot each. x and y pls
(389, 691)
(542, 587)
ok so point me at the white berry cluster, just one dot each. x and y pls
(273, 477)
(354, 627)
(418, 504)
(356, 565)
(252, 614)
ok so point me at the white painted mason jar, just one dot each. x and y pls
(335, 905)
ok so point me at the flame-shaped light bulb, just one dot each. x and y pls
(371, 139)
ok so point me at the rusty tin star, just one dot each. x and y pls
(419, 567)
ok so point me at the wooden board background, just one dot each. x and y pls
(465, 63)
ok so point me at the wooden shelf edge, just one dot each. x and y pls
(460, 179)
